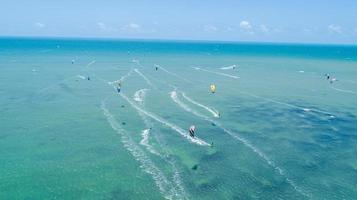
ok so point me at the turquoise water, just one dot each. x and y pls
(284, 131)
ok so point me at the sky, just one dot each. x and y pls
(299, 21)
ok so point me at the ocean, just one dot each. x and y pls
(275, 128)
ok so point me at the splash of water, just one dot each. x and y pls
(166, 188)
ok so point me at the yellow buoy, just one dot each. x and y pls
(213, 88)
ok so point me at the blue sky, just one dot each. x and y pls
(314, 21)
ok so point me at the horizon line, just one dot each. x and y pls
(174, 40)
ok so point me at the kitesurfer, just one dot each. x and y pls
(327, 76)
(119, 87)
(192, 131)
(330, 78)
(213, 88)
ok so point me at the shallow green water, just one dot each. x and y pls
(285, 132)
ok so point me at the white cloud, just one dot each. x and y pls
(264, 29)
(131, 27)
(210, 28)
(104, 27)
(40, 25)
(246, 27)
(334, 29)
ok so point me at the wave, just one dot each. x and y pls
(166, 188)
(213, 111)
(228, 67)
(172, 126)
(217, 73)
(243, 140)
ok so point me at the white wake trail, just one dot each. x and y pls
(139, 96)
(175, 98)
(165, 186)
(176, 174)
(289, 105)
(122, 79)
(159, 119)
(81, 77)
(179, 190)
(217, 73)
(241, 139)
(264, 157)
(228, 67)
(172, 126)
(91, 63)
(144, 77)
(173, 74)
(211, 110)
(344, 91)
(145, 142)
